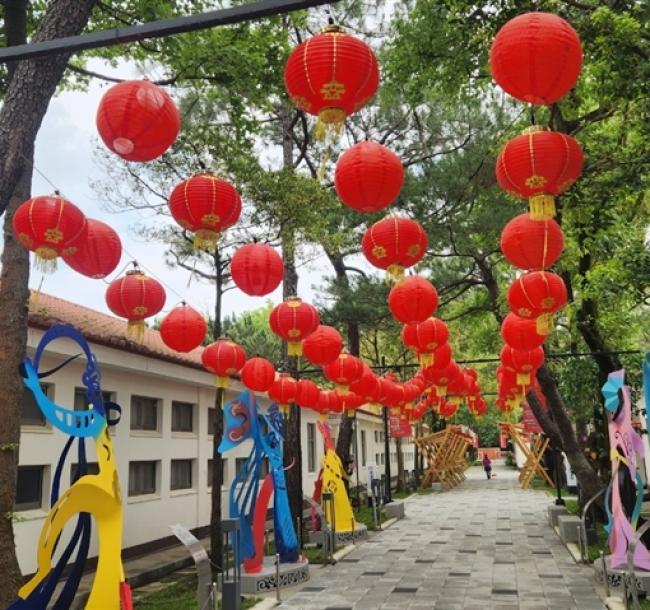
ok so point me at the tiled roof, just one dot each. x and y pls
(46, 310)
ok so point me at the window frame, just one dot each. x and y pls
(158, 416)
(35, 504)
(43, 423)
(192, 410)
(311, 447)
(192, 477)
(156, 474)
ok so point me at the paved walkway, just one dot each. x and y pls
(484, 545)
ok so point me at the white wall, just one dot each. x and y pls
(148, 518)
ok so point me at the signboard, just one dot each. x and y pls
(399, 426)
(571, 480)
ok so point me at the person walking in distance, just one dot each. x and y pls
(487, 466)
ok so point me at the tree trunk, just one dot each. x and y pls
(400, 464)
(15, 28)
(32, 85)
(292, 438)
(344, 439)
(14, 296)
(590, 483)
(216, 535)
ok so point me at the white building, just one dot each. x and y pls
(163, 442)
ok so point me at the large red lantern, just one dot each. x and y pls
(137, 120)
(331, 75)
(425, 337)
(323, 345)
(99, 253)
(183, 329)
(412, 300)
(440, 358)
(258, 374)
(350, 402)
(390, 393)
(523, 363)
(293, 321)
(329, 402)
(536, 57)
(206, 206)
(135, 296)
(539, 165)
(343, 371)
(256, 269)
(50, 226)
(520, 333)
(394, 243)
(447, 409)
(538, 295)
(223, 358)
(532, 244)
(283, 391)
(367, 386)
(307, 394)
(368, 177)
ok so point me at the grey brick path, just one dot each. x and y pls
(484, 545)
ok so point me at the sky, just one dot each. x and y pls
(64, 160)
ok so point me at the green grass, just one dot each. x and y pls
(593, 550)
(400, 495)
(179, 595)
(364, 515)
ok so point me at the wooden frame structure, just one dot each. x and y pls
(533, 454)
(445, 452)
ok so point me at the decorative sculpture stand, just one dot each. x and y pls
(331, 479)
(97, 495)
(243, 421)
(624, 495)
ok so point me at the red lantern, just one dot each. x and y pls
(256, 269)
(307, 394)
(331, 75)
(49, 226)
(536, 57)
(438, 358)
(258, 374)
(425, 337)
(206, 206)
(329, 402)
(183, 329)
(367, 386)
(137, 120)
(390, 393)
(413, 300)
(368, 177)
(223, 358)
(447, 409)
(539, 165)
(350, 402)
(135, 296)
(99, 253)
(523, 363)
(442, 377)
(532, 244)
(294, 321)
(343, 371)
(394, 243)
(412, 391)
(538, 295)
(520, 333)
(323, 345)
(283, 391)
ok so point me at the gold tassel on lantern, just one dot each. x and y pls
(523, 379)
(294, 348)
(544, 323)
(426, 359)
(542, 207)
(350, 413)
(323, 417)
(342, 390)
(45, 259)
(221, 382)
(205, 240)
(441, 390)
(135, 330)
(395, 272)
(284, 409)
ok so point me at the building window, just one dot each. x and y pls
(144, 413)
(363, 448)
(212, 414)
(142, 478)
(182, 416)
(382, 459)
(181, 474)
(239, 464)
(376, 436)
(311, 447)
(81, 402)
(91, 468)
(29, 487)
(30, 414)
(377, 459)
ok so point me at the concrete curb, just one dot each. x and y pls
(346, 550)
(386, 524)
(266, 604)
(614, 603)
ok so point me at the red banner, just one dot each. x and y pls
(399, 426)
